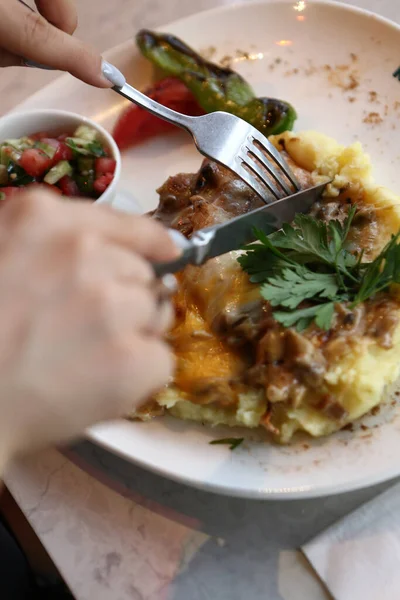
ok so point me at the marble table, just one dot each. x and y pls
(116, 532)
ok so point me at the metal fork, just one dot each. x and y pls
(232, 142)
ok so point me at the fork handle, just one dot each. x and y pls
(172, 116)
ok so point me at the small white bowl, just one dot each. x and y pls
(16, 125)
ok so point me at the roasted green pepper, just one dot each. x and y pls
(215, 87)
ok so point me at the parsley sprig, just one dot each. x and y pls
(306, 268)
(233, 443)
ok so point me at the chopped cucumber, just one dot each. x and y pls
(20, 144)
(3, 175)
(2, 196)
(5, 155)
(85, 148)
(47, 149)
(86, 133)
(58, 172)
(9, 154)
(85, 164)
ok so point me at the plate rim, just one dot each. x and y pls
(289, 493)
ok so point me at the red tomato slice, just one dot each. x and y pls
(39, 135)
(104, 165)
(68, 186)
(63, 152)
(136, 124)
(35, 162)
(101, 183)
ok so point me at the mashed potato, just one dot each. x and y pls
(358, 371)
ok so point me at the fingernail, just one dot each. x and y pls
(178, 238)
(169, 283)
(164, 288)
(112, 74)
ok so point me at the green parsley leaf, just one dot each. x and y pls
(309, 261)
(381, 272)
(311, 240)
(294, 285)
(96, 149)
(231, 442)
(302, 318)
(85, 148)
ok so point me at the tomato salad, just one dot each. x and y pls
(70, 165)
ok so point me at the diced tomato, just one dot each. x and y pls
(104, 165)
(35, 162)
(136, 124)
(63, 137)
(68, 186)
(39, 135)
(101, 183)
(53, 142)
(44, 186)
(63, 152)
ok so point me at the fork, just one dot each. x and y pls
(230, 141)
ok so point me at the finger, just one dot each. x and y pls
(139, 233)
(124, 309)
(28, 34)
(144, 366)
(162, 318)
(32, 211)
(60, 13)
(163, 289)
(7, 59)
(126, 266)
(97, 261)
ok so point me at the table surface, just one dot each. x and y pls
(117, 532)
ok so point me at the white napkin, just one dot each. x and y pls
(358, 558)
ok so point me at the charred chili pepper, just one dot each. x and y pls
(215, 87)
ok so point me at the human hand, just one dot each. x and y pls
(80, 326)
(47, 38)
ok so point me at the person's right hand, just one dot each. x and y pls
(80, 325)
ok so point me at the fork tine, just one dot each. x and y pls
(253, 151)
(276, 155)
(252, 180)
(257, 169)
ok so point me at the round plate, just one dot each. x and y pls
(336, 65)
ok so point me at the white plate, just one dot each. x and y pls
(290, 45)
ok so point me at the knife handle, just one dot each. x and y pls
(194, 251)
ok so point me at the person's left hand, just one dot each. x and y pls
(47, 38)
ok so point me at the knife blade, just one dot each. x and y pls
(236, 233)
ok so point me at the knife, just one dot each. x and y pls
(236, 233)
